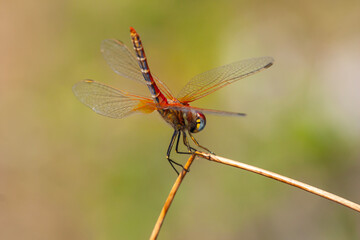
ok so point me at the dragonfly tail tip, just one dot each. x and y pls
(132, 30)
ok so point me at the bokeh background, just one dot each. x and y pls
(68, 173)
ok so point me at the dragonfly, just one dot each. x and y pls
(176, 111)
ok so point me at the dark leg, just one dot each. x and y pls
(187, 144)
(172, 162)
(197, 144)
(177, 145)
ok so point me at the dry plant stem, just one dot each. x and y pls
(249, 168)
(281, 178)
(170, 198)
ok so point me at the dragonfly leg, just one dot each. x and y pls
(197, 144)
(172, 162)
(177, 146)
(187, 144)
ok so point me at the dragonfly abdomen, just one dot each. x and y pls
(156, 94)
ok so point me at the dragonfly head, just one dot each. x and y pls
(198, 122)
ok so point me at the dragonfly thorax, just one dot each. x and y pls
(192, 121)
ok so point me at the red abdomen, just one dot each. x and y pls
(157, 96)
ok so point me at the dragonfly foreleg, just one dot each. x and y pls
(197, 144)
(172, 162)
(187, 144)
(177, 146)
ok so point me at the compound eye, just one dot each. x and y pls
(200, 123)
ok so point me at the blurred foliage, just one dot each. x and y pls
(67, 173)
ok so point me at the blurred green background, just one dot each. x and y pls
(68, 173)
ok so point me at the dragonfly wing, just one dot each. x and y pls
(185, 108)
(123, 62)
(212, 80)
(109, 101)
(163, 88)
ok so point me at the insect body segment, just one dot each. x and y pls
(144, 67)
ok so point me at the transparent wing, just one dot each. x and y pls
(210, 81)
(109, 101)
(163, 88)
(124, 63)
(121, 60)
(185, 108)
